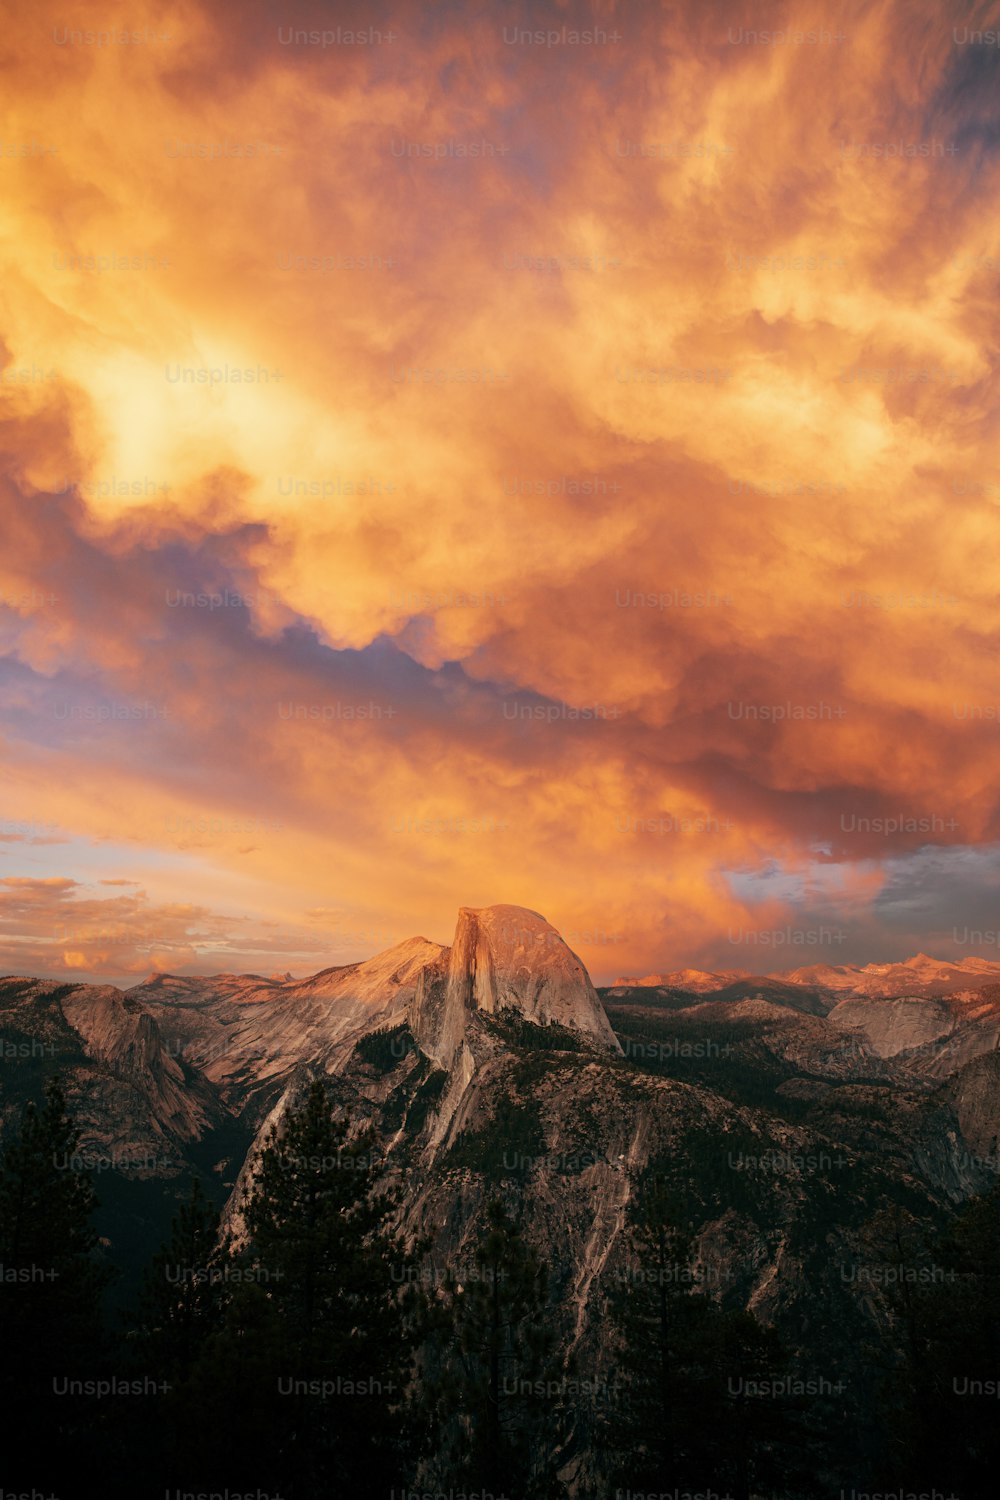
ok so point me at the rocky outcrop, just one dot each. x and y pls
(895, 1026)
(505, 958)
(117, 1032)
(146, 1121)
(935, 1036)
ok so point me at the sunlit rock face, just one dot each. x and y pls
(895, 1026)
(118, 1033)
(936, 1035)
(244, 1031)
(505, 958)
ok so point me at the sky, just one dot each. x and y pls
(544, 454)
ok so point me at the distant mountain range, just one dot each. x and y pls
(920, 975)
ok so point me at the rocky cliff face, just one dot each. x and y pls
(974, 1093)
(505, 958)
(505, 962)
(136, 1101)
(931, 1035)
(895, 1026)
(117, 1032)
(148, 1121)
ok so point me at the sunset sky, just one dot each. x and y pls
(610, 524)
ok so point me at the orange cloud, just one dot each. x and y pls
(462, 469)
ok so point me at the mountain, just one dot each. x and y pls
(788, 1137)
(920, 975)
(931, 1015)
(776, 991)
(506, 965)
(791, 1114)
(934, 1034)
(118, 1032)
(140, 1101)
(504, 958)
(149, 1121)
(693, 981)
(247, 1034)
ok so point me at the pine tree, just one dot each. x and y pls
(764, 1443)
(182, 1303)
(661, 1322)
(698, 1400)
(185, 1290)
(939, 1415)
(314, 1363)
(51, 1283)
(507, 1394)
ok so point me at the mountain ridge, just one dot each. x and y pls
(920, 974)
(787, 1117)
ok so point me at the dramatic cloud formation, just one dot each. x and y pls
(543, 454)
